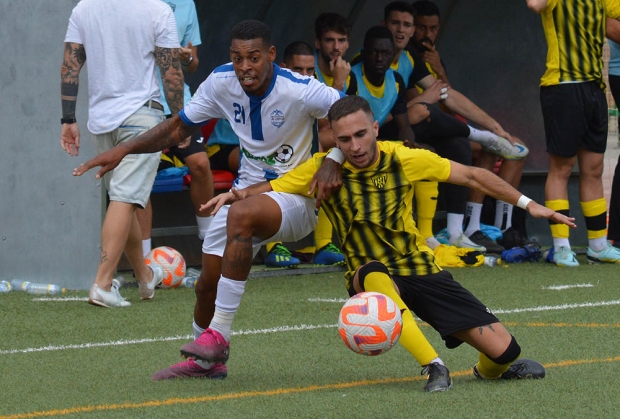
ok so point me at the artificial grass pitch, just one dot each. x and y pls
(65, 358)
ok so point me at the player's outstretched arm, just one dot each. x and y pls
(234, 195)
(166, 134)
(487, 182)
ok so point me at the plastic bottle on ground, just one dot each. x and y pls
(36, 288)
(5, 286)
(491, 260)
(19, 284)
(189, 281)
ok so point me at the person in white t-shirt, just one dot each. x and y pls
(273, 112)
(123, 94)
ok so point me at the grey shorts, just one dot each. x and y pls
(132, 180)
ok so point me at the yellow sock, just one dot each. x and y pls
(323, 231)
(558, 231)
(270, 246)
(411, 337)
(595, 214)
(426, 206)
(489, 369)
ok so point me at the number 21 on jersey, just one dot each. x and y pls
(239, 113)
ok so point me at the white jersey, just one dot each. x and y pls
(275, 130)
(119, 38)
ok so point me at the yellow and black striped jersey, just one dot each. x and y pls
(372, 212)
(575, 33)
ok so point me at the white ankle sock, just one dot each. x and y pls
(203, 225)
(437, 361)
(598, 244)
(455, 226)
(146, 246)
(472, 217)
(197, 330)
(560, 242)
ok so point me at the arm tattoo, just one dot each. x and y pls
(166, 134)
(488, 326)
(171, 75)
(74, 58)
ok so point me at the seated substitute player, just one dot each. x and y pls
(332, 41)
(273, 111)
(386, 254)
(427, 24)
(448, 135)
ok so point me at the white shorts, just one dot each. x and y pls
(299, 218)
(132, 180)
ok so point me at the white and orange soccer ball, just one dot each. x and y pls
(370, 323)
(171, 261)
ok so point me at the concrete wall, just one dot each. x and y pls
(50, 221)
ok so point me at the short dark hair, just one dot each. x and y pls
(398, 6)
(331, 22)
(425, 8)
(251, 29)
(297, 48)
(349, 105)
(377, 32)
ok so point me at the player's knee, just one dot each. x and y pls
(510, 354)
(198, 165)
(370, 267)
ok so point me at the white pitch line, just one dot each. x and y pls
(276, 329)
(165, 339)
(565, 287)
(327, 300)
(560, 307)
(60, 299)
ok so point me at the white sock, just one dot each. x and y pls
(222, 322)
(455, 226)
(598, 244)
(482, 137)
(197, 330)
(560, 242)
(229, 293)
(437, 361)
(146, 246)
(503, 215)
(472, 217)
(203, 225)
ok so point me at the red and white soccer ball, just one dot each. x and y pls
(172, 263)
(370, 323)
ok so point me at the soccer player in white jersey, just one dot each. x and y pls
(273, 112)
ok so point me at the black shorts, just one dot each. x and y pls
(196, 145)
(219, 160)
(443, 303)
(575, 115)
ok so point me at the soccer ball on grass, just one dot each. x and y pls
(171, 261)
(370, 323)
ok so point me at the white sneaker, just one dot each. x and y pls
(500, 146)
(147, 290)
(432, 242)
(101, 298)
(463, 242)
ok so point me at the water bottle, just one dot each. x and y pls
(193, 272)
(189, 281)
(119, 281)
(19, 284)
(491, 260)
(5, 286)
(36, 288)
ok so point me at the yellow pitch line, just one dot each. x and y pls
(267, 393)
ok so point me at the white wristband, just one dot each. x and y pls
(336, 155)
(523, 201)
